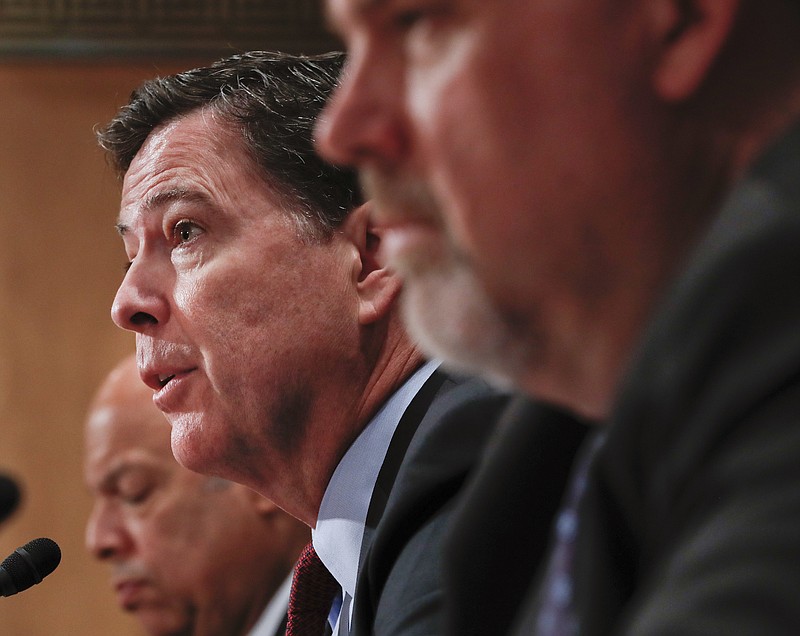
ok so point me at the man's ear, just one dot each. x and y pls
(377, 286)
(691, 34)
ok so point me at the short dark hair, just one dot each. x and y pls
(272, 100)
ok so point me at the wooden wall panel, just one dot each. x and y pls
(80, 28)
(60, 264)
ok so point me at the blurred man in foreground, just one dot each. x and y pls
(598, 201)
(189, 554)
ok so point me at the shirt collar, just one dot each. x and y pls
(342, 515)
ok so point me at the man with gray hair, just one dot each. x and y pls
(266, 327)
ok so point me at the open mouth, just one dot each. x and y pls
(164, 379)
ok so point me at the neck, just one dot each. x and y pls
(341, 418)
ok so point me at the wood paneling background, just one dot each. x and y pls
(65, 67)
(60, 264)
(72, 28)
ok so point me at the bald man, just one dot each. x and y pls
(189, 554)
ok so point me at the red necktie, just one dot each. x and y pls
(313, 590)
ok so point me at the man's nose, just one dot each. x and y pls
(363, 122)
(140, 303)
(106, 536)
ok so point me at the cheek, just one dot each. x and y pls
(221, 309)
(461, 168)
(158, 539)
(461, 136)
(241, 321)
(176, 529)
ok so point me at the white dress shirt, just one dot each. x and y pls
(343, 512)
(275, 611)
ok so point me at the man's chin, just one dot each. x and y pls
(160, 621)
(451, 319)
(413, 250)
(186, 441)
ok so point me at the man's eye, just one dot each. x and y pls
(405, 20)
(185, 231)
(134, 490)
(136, 497)
(423, 16)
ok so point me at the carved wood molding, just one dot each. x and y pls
(160, 27)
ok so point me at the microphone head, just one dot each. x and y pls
(28, 565)
(9, 496)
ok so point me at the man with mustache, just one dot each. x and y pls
(266, 328)
(188, 554)
(597, 201)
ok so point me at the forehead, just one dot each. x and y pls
(126, 430)
(199, 153)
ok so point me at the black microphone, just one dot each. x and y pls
(9, 496)
(28, 565)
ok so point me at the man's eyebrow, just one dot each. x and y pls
(147, 466)
(112, 476)
(165, 197)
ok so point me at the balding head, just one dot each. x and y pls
(175, 539)
(122, 415)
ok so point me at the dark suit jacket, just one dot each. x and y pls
(399, 584)
(502, 525)
(690, 523)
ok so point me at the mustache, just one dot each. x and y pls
(399, 197)
(129, 570)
